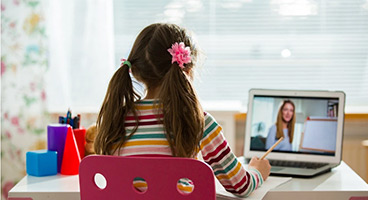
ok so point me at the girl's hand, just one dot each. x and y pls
(263, 166)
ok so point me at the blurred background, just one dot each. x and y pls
(61, 54)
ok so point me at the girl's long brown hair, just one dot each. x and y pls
(151, 63)
(290, 125)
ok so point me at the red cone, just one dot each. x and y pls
(71, 157)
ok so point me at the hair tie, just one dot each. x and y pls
(180, 54)
(126, 62)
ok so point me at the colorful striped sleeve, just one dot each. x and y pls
(226, 167)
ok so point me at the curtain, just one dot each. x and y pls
(24, 117)
(81, 53)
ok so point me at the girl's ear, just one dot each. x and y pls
(189, 73)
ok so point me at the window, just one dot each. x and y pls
(283, 44)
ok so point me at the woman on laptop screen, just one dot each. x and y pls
(284, 127)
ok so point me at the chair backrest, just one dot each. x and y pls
(161, 174)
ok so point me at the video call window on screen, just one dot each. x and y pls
(308, 125)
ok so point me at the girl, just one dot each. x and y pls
(169, 120)
(284, 126)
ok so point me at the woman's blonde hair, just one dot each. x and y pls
(151, 63)
(290, 125)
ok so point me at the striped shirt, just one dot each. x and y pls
(150, 139)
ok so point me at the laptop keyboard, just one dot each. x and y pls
(308, 165)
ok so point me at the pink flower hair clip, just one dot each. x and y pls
(180, 54)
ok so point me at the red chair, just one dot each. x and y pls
(160, 173)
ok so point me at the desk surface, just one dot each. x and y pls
(341, 183)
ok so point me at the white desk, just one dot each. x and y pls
(341, 183)
(58, 187)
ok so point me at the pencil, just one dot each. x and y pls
(270, 149)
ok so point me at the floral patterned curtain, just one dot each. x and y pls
(24, 62)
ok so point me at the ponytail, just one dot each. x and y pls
(183, 115)
(119, 100)
(153, 65)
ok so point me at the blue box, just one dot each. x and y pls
(41, 163)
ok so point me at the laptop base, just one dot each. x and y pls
(300, 175)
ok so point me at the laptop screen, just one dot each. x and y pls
(308, 124)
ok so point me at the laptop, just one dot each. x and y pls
(311, 123)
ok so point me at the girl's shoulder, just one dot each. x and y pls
(208, 118)
(210, 124)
